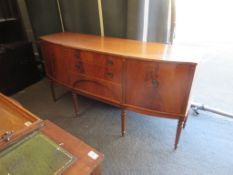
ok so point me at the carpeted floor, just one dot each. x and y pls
(206, 145)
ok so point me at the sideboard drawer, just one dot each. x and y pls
(96, 65)
(96, 87)
(100, 59)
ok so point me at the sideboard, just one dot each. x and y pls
(150, 78)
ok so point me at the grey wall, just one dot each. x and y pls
(158, 21)
(122, 18)
(115, 17)
(44, 16)
(135, 11)
(26, 22)
(80, 16)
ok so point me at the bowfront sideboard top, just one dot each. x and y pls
(124, 47)
(145, 77)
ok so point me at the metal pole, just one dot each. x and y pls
(199, 106)
(60, 15)
(101, 17)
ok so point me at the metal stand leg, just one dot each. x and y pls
(178, 132)
(198, 106)
(75, 102)
(195, 110)
(123, 116)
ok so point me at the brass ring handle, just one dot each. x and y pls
(77, 54)
(109, 74)
(155, 83)
(78, 66)
(110, 62)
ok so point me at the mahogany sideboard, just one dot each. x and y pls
(150, 78)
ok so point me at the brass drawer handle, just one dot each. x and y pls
(77, 54)
(78, 66)
(155, 83)
(109, 74)
(110, 62)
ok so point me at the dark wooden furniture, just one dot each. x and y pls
(149, 78)
(18, 67)
(11, 28)
(16, 123)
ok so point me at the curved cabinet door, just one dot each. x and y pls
(55, 58)
(47, 54)
(158, 86)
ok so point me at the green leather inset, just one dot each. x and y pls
(34, 155)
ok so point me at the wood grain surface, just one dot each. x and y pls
(124, 47)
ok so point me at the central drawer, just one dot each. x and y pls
(96, 65)
(95, 87)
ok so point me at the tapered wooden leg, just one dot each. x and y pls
(178, 132)
(53, 91)
(123, 116)
(75, 102)
(54, 96)
(185, 120)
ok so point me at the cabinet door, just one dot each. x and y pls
(55, 58)
(47, 54)
(158, 86)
